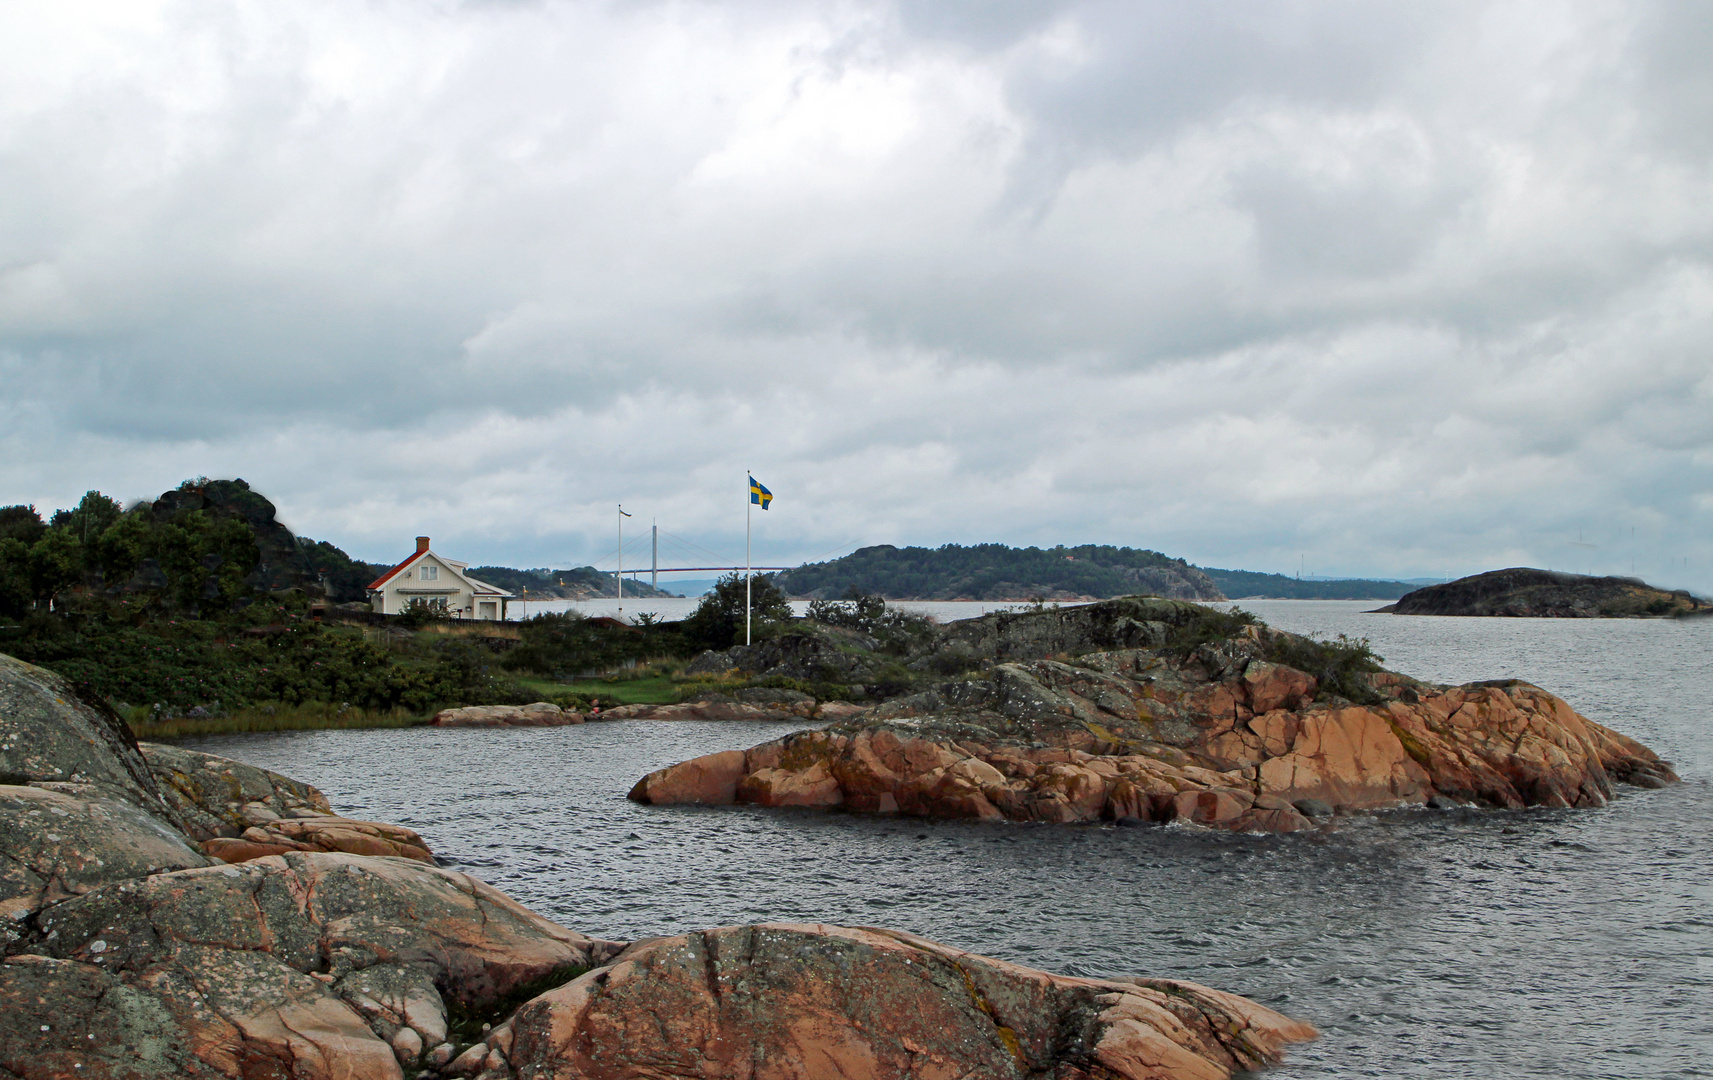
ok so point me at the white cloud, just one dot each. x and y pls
(1392, 290)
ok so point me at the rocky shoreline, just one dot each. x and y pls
(1161, 711)
(148, 932)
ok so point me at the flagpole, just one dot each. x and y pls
(748, 500)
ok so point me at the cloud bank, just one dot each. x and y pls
(1367, 291)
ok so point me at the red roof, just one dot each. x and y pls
(384, 578)
(478, 588)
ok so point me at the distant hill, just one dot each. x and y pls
(1526, 592)
(581, 583)
(1243, 584)
(999, 572)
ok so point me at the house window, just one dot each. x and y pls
(430, 573)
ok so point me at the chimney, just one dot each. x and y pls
(421, 544)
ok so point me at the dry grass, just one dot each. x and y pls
(314, 716)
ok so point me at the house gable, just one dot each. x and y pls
(427, 575)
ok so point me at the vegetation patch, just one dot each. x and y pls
(262, 654)
(659, 690)
(898, 632)
(1341, 665)
(1206, 626)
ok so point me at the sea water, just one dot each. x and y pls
(1539, 943)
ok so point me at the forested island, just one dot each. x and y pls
(1248, 585)
(1088, 572)
(581, 583)
(998, 572)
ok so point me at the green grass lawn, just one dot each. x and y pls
(659, 690)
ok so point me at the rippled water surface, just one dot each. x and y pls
(1545, 943)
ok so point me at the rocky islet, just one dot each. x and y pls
(1158, 710)
(1526, 592)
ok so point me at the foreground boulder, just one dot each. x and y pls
(1524, 592)
(55, 845)
(1203, 719)
(239, 812)
(781, 1000)
(306, 965)
(48, 735)
(126, 955)
(215, 796)
(325, 833)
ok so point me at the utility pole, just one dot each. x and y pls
(620, 575)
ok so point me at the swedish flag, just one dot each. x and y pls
(759, 495)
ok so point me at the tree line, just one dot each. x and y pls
(978, 572)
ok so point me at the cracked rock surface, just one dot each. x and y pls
(305, 964)
(781, 1000)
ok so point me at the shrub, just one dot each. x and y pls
(1339, 664)
(1206, 625)
(567, 645)
(898, 632)
(180, 664)
(718, 621)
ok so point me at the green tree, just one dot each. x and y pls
(15, 589)
(21, 523)
(175, 549)
(123, 545)
(229, 549)
(56, 563)
(718, 621)
(89, 519)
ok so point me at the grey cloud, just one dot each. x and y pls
(1238, 282)
(1672, 43)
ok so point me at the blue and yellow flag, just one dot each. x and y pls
(759, 495)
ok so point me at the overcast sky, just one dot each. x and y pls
(1366, 289)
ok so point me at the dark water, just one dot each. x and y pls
(1574, 943)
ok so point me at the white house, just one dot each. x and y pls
(441, 584)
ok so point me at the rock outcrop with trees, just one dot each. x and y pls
(1145, 709)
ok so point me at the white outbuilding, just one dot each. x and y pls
(439, 583)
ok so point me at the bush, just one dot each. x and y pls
(718, 621)
(898, 632)
(269, 654)
(567, 645)
(1340, 664)
(1206, 626)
